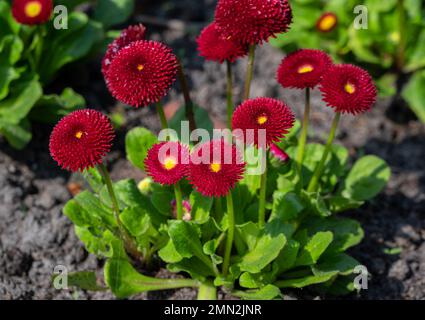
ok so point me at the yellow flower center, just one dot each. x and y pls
(327, 23)
(349, 88)
(140, 67)
(33, 9)
(215, 167)
(170, 163)
(79, 134)
(305, 69)
(262, 119)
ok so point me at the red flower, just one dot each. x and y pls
(32, 11)
(279, 153)
(215, 167)
(262, 115)
(167, 162)
(81, 139)
(127, 36)
(303, 68)
(213, 46)
(348, 89)
(253, 21)
(327, 22)
(142, 73)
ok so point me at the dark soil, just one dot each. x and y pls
(35, 236)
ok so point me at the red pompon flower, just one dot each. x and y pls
(167, 162)
(81, 139)
(279, 153)
(348, 89)
(142, 73)
(303, 68)
(32, 12)
(127, 36)
(327, 22)
(262, 121)
(213, 46)
(215, 168)
(252, 21)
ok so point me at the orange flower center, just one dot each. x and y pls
(169, 163)
(305, 68)
(215, 167)
(349, 88)
(79, 134)
(33, 9)
(262, 119)
(140, 67)
(327, 22)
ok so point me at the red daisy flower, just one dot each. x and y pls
(259, 116)
(142, 73)
(167, 162)
(327, 22)
(81, 139)
(303, 68)
(279, 153)
(215, 167)
(213, 46)
(127, 36)
(252, 21)
(348, 89)
(32, 11)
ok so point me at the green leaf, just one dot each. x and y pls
(287, 257)
(169, 253)
(201, 207)
(51, 108)
(125, 281)
(137, 143)
(137, 221)
(414, 94)
(268, 292)
(336, 264)
(249, 232)
(286, 206)
(339, 203)
(162, 202)
(314, 248)
(18, 135)
(113, 12)
(417, 59)
(265, 251)
(94, 209)
(366, 179)
(202, 119)
(85, 280)
(252, 281)
(303, 282)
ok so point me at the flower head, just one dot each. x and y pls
(81, 139)
(278, 153)
(213, 46)
(167, 162)
(303, 68)
(252, 21)
(142, 73)
(327, 22)
(266, 116)
(187, 208)
(215, 167)
(32, 12)
(348, 89)
(127, 36)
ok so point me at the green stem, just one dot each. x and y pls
(179, 199)
(249, 71)
(162, 117)
(190, 115)
(155, 284)
(402, 35)
(314, 182)
(128, 241)
(304, 133)
(229, 94)
(262, 203)
(230, 234)
(218, 209)
(207, 291)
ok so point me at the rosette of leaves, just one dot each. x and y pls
(392, 44)
(303, 244)
(32, 56)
